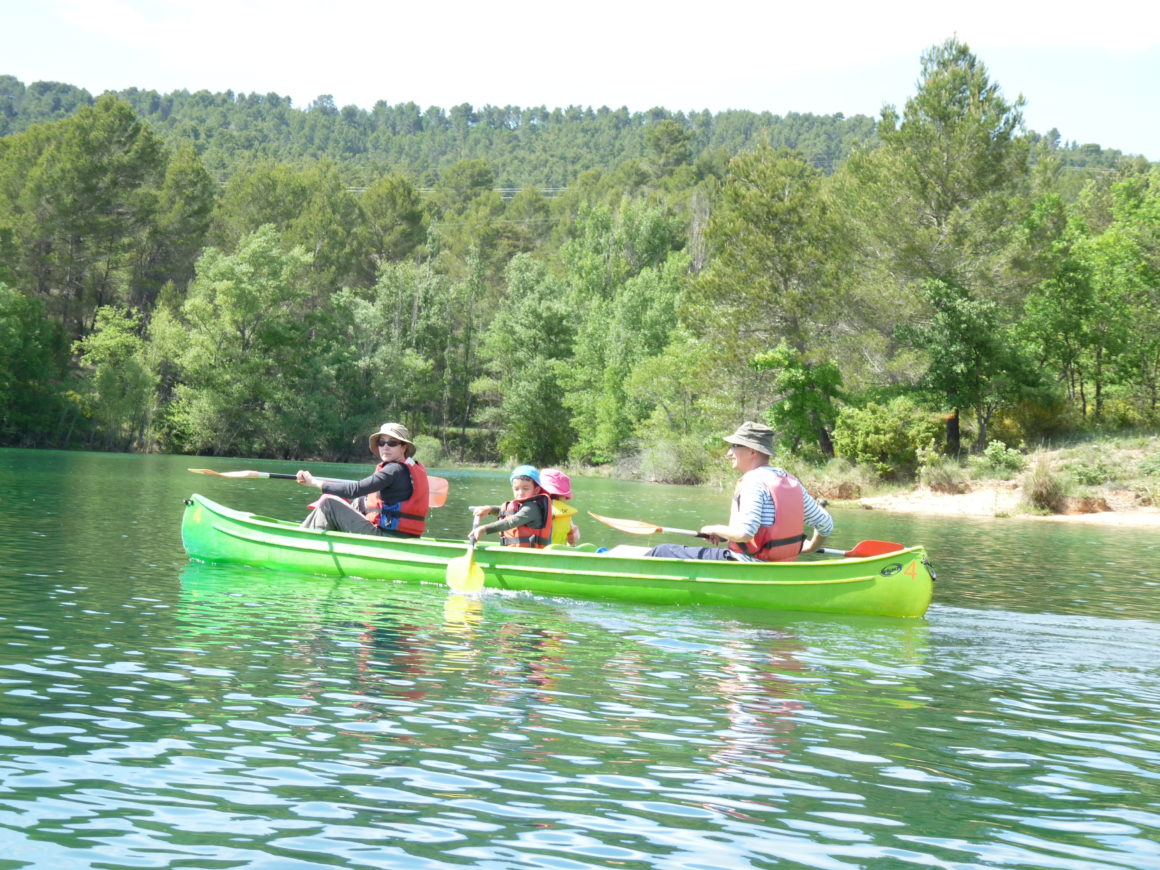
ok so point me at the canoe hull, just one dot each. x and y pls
(897, 584)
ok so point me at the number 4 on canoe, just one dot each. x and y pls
(437, 486)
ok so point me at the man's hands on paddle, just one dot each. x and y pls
(814, 542)
(717, 533)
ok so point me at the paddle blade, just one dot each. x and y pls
(863, 549)
(632, 527)
(210, 471)
(463, 575)
(436, 491)
(873, 548)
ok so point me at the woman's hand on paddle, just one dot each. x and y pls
(307, 479)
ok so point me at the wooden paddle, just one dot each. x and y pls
(269, 474)
(639, 527)
(463, 575)
(863, 549)
(436, 486)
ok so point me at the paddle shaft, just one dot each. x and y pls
(437, 494)
(246, 475)
(639, 527)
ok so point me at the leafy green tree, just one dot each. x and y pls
(681, 411)
(940, 200)
(1057, 317)
(805, 411)
(1093, 319)
(398, 341)
(461, 184)
(1119, 278)
(267, 192)
(669, 143)
(245, 385)
(955, 158)
(525, 226)
(614, 336)
(11, 96)
(626, 277)
(975, 361)
(122, 385)
(31, 372)
(772, 263)
(176, 236)
(396, 221)
(522, 351)
(79, 197)
(309, 206)
(888, 437)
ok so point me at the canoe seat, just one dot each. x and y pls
(628, 550)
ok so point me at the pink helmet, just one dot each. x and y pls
(555, 482)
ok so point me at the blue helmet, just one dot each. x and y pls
(526, 471)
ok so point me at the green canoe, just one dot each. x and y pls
(895, 584)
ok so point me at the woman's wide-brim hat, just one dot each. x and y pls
(756, 436)
(391, 430)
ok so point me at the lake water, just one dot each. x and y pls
(161, 713)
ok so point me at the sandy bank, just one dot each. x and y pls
(1006, 500)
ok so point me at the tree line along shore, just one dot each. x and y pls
(900, 298)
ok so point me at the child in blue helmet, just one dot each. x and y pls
(526, 520)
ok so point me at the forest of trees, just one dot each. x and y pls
(225, 274)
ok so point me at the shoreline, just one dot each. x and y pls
(1005, 501)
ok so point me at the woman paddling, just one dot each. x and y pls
(392, 502)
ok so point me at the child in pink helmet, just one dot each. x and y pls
(556, 484)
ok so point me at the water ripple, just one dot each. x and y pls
(216, 717)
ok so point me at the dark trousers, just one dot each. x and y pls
(333, 513)
(677, 551)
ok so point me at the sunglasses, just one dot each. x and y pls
(389, 442)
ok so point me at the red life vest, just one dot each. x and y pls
(526, 536)
(408, 516)
(782, 541)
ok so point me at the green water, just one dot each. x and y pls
(161, 713)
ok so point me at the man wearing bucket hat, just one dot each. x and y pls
(526, 520)
(769, 512)
(392, 502)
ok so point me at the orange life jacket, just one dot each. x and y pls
(408, 516)
(526, 536)
(782, 541)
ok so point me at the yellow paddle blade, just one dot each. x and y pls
(463, 575)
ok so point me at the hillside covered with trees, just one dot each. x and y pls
(226, 274)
